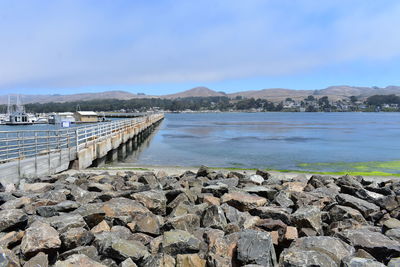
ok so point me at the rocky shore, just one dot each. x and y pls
(203, 218)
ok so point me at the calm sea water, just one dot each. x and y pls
(271, 140)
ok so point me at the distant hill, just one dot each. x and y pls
(197, 91)
(273, 94)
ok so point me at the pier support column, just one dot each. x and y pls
(99, 162)
(129, 146)
(112, 155)
(121, 152)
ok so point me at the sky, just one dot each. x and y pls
(161, 46)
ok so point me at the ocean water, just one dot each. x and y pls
(271, 140)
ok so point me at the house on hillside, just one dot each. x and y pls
(85, 116)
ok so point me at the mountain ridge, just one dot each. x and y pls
(272, 94)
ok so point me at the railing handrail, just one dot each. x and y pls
(24, 143)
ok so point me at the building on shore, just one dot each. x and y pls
(58, 118)
(85, 117)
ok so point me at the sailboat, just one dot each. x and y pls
(17, 114)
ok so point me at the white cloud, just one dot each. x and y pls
(76, 43)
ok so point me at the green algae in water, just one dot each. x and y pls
(381, 168)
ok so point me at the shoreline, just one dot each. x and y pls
(178, 170)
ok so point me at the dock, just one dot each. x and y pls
(34, 153)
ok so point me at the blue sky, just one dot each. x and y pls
(161, 47)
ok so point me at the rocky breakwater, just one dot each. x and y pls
(206, 218)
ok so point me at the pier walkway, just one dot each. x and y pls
(32, 153)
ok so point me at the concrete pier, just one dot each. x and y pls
(87, 146)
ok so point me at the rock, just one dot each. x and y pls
(159, 260)
(37, 187)
(214, 217)
(256, 247)
(89, 251)
(363, 206)
(283, 199)
(16, 203)
(97, 187)
(150, 179)
(40, 260)
(147, 223)
(6, 196)
(128, 263)
(262, 191)
(243, 201)
(101, 227)
(291, 234)
(12, 219)
(391, 223)
(209, 199)
(300, 258)
(65, 222)
(361, 262)
(92, 213)
(189, 260)
(230, 182)
(308, 217)
(123, 207)
(40, 237)
(76, 237)
(217, 189)
(11, 239)
(333, 247)
(120, 249)
(378, 245)
(79, 260)
(155, 201)
(203, 171)
(393, 234)
(187, 222)
(275, 213)
(177, 242)
(294, 186)
(265, 175)
(8, 258)
(340, 213)
(256, 179)
(83, 196)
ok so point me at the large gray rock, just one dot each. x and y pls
(366, 208)
(154, 200)
(65, 222)
(186, 222)
(79, 260)
(340, 213)
(243, 201)
(361, 262)
(308, 217)
(40, 237)
(214, 217)
(255, 247)
(378, 245)
(120, 249)
(275, 213)
(333, 247)
(301, 258)
(159, 260)
(12, 218)
(76, 237)
(179, 242)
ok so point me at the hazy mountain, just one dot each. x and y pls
(197, 91)
(274, 94)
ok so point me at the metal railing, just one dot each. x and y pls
(31, 143)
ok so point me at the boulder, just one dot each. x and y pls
(308, 217)
(283, 199)
(189, 260)
(395, 262)
(40, 260)
(37, 187)
(179, 242)
(92, 213)
(123, 207)
(12, 219)
(8, 258)
(262, 191)
(393, 234)
(154, 200)
(120, 249)
(65, 222)
(366, 208)
(217, 190)
(186, 222)
(255, 247)
(378, 245)
(340, 213)
(147, 223)
(243, 201)
(299, 258)
(214, 217)
(40, 237)
(101, 227)
(79, 260)
(89, 251)
(159, 260)
(361, 262)
(128, 263)
(270, 212)
(76, 237)
(230, 182)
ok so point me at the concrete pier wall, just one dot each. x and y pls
(96, 152)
